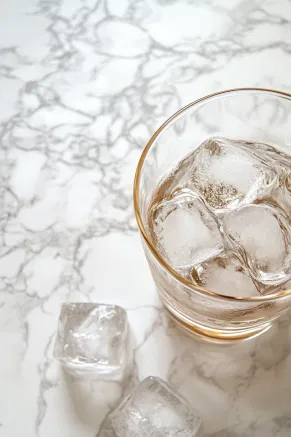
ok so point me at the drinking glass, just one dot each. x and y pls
(251, 114)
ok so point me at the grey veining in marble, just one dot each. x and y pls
(83, 85)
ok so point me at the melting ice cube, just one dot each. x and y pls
(260, 235)
(153, 409)
(228, 174)
(185, 231)
(92, 337)
(225, 275)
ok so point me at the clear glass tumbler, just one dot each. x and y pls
(252, 114)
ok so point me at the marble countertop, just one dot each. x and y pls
(83, 84)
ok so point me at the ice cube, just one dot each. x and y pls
(185, 231)
(227, 174)
(225, 275)
(92, 337)
(260, 235)
(153, 410)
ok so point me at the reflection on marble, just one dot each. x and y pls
(83, 85)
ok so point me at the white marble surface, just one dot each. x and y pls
(83, 85)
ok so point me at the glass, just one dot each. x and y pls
(251, 114)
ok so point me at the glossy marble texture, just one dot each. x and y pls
(83, 85)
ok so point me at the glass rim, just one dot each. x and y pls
(158, 257)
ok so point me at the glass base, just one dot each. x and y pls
(218, 336)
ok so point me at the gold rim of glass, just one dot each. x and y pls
(159, 258)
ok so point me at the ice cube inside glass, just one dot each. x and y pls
(225, 274)
(228, 174)
(185, 231)
(153, 409)
(260, 234)
(92, 337)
